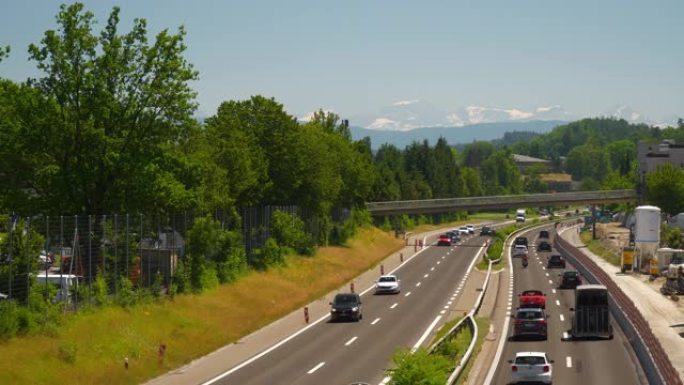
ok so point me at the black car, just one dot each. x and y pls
(556, 261)
(520, 241)
(454, 236)
(486, 230)
(570, 280)
(346, 306)
(530, 322)
(544, 246)
(544, 234)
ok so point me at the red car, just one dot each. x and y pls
(444, 240)
(532, 298)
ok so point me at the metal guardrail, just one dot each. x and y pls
(652, 357)
(498, 202)
(469, 319)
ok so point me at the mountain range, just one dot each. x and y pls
(453, 134)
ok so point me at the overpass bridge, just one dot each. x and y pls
(434, 206)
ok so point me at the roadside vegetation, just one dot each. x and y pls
(595, 246)
(434, 368)
(90, 346)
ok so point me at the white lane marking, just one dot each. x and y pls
(446, 307)
(557, 302)
(566, 335)
(543, 268)
(315, 368)
(432, 269)
(550, 281)
(562, 318)
(426, 334)
(438, 262)
(443, 257)
(375, 321)
(385, 380)
(393, 306)
(407, 294)
(442, 312)
(568, 361)
(547, 274)
(426, 275)
(351, 341)
(449, 302)
(418, 284)
(553, 291)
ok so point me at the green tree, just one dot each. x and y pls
(113, 105)
(665, 188)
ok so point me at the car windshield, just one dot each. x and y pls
(387, 279)
(555, 257)
(570, 274)
(530, 360)
(345, 299)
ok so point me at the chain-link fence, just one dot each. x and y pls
(70, 257)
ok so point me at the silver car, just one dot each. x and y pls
(388, 284)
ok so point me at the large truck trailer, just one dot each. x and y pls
(592, 314)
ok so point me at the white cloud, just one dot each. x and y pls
(455, 120)
(635, 116)
(405, 102)
(516, 114)
(307, 117)
(547, 109)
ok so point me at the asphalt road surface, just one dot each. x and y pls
(604, 362)
(348, 352)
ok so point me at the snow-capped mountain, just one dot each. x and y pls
(407, 115)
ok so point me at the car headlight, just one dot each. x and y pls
(355, 308)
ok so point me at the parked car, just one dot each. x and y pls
(531, 367)
(346, 306)
(444, 240)
(387, 284)
(570, 279)
(486, 230)
(544, 246)
(530, 322)
(556, 260)
(471, 229)
(519, 251)
(532, 298)
(543, 234)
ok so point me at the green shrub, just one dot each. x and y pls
(419, 368)
(181, 278)
(126, 295)
(9, 319)
(67, 352)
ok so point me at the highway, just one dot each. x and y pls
(602, 362)
(348, 352)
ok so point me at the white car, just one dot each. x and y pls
(471, 229)
(463, 230)
(388, 284)
(531, 367)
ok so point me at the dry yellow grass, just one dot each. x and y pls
(191, 325)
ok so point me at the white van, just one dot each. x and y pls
(66, 285)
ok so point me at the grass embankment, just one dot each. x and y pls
(90, 346)
(595, 246)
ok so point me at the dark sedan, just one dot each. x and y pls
(556, 260)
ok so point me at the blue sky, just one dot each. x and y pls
(356, 57)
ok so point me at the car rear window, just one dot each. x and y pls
(530, 360)
(526, 314)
